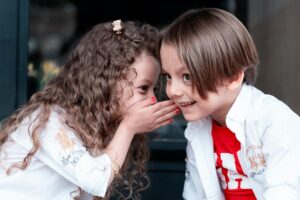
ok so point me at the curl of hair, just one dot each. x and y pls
(86, 89)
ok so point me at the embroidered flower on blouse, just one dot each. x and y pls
(65, 141)
(72, 158)
(70, 154)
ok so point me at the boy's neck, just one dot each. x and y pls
(220, 118)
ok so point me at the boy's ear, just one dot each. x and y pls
(236, 81)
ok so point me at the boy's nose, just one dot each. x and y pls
(173, 90)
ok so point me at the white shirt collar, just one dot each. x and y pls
(241, 105)
(236, 117)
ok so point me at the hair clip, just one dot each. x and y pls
(117, 26)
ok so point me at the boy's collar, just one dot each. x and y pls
(236, 117)
(240, 107)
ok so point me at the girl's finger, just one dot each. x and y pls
(164, 123)
(166, 117)
(144, 102)
(167, 109)
(162, 104)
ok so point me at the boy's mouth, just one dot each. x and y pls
(185, 104)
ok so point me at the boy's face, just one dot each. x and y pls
(143, 75)
(179, 89)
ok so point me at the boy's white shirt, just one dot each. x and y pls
(57, 169)
(269, 133)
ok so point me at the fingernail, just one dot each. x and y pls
(177, 111)
(153, 99)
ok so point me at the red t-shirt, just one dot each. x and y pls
(234, 181)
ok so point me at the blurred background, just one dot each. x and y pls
(37, 35)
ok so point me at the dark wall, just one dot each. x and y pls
(13, 54)
(155, 12)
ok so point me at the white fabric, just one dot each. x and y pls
(269, 133)
(61, 165)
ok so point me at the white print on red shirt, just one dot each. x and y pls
(230, 179)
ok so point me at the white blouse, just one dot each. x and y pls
(60, 166)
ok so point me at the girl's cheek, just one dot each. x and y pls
(130, 101)
(137, 98)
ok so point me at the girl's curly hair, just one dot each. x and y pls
(86, 89)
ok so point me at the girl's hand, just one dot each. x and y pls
(147, 115)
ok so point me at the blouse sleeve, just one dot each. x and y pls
(61, 150)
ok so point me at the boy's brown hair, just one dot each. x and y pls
(214, 45)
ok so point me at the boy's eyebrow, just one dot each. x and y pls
(181, 69)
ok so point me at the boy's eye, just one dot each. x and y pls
(186, 77)
(166, 76)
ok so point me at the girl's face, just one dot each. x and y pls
(179, 89)
(143, 74)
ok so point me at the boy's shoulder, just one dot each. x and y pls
(264, 105)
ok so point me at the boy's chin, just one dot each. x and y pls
(190, 118)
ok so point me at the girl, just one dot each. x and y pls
(242, 143)
(74, 134)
